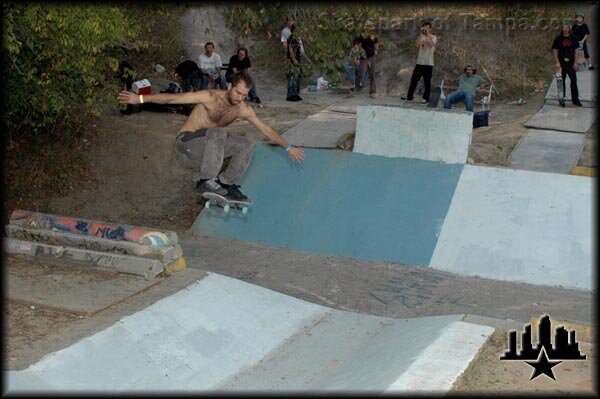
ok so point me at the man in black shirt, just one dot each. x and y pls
(241, 62)
(563, 49)
(189, 73)
(581, 31)
(371, 46)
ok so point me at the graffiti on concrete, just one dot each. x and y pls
(38, 220)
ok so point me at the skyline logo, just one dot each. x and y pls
(540, 357)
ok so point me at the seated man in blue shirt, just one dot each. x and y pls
(468, 83)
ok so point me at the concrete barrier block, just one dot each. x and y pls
(123, 263)
(175, 265)
(164, 254)
(111, 231)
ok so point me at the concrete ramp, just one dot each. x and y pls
(586, 84)
(324, 129)
(222, 334)
(429, 134)
(321, 130)
(568, 119)
(519, 225)
(341, 203)
(547, 151)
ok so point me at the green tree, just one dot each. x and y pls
(55, 62)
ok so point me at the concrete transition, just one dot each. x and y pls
(519, 225)
(341, 203)
(505, 224)
(547, 151)
(569, 119)
(222, 334)
(428, 134)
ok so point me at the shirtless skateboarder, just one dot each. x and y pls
(203, 140)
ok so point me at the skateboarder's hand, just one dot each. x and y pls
(296, 154)
(127, 97)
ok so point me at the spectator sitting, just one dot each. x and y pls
(351, 65)
(189, 75)
(238, 63)
(210, 67)
(468, 83)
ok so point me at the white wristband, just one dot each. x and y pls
(288, 148)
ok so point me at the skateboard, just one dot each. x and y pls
(435, 97)
(225, 203)
(560, 88)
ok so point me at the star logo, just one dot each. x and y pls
(543, 356)
(542, 366)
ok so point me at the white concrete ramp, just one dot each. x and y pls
(428, 134)
(521, 226)
(222, 334)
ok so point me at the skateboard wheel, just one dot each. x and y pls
(226, 208)
(244, 210)
(207, 204)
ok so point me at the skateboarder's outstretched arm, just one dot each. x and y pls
(295, 153)
(192, 97)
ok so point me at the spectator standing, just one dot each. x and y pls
(210, 67)
(238, 63)
(424, 68)
(296, 56)
(563, 49)
(581, 31)
(370, 44)
(286, 32)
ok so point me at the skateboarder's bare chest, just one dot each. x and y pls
(214, 115)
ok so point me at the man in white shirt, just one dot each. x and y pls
(424, 68)
(286, 32)
(210, 67)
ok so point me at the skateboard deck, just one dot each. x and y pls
(560, 90)
(580, 62)
(435, 97)
(225, 203)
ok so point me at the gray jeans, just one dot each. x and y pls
(207, 148)
(371, 63)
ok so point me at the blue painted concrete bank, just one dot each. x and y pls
(341, 203)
